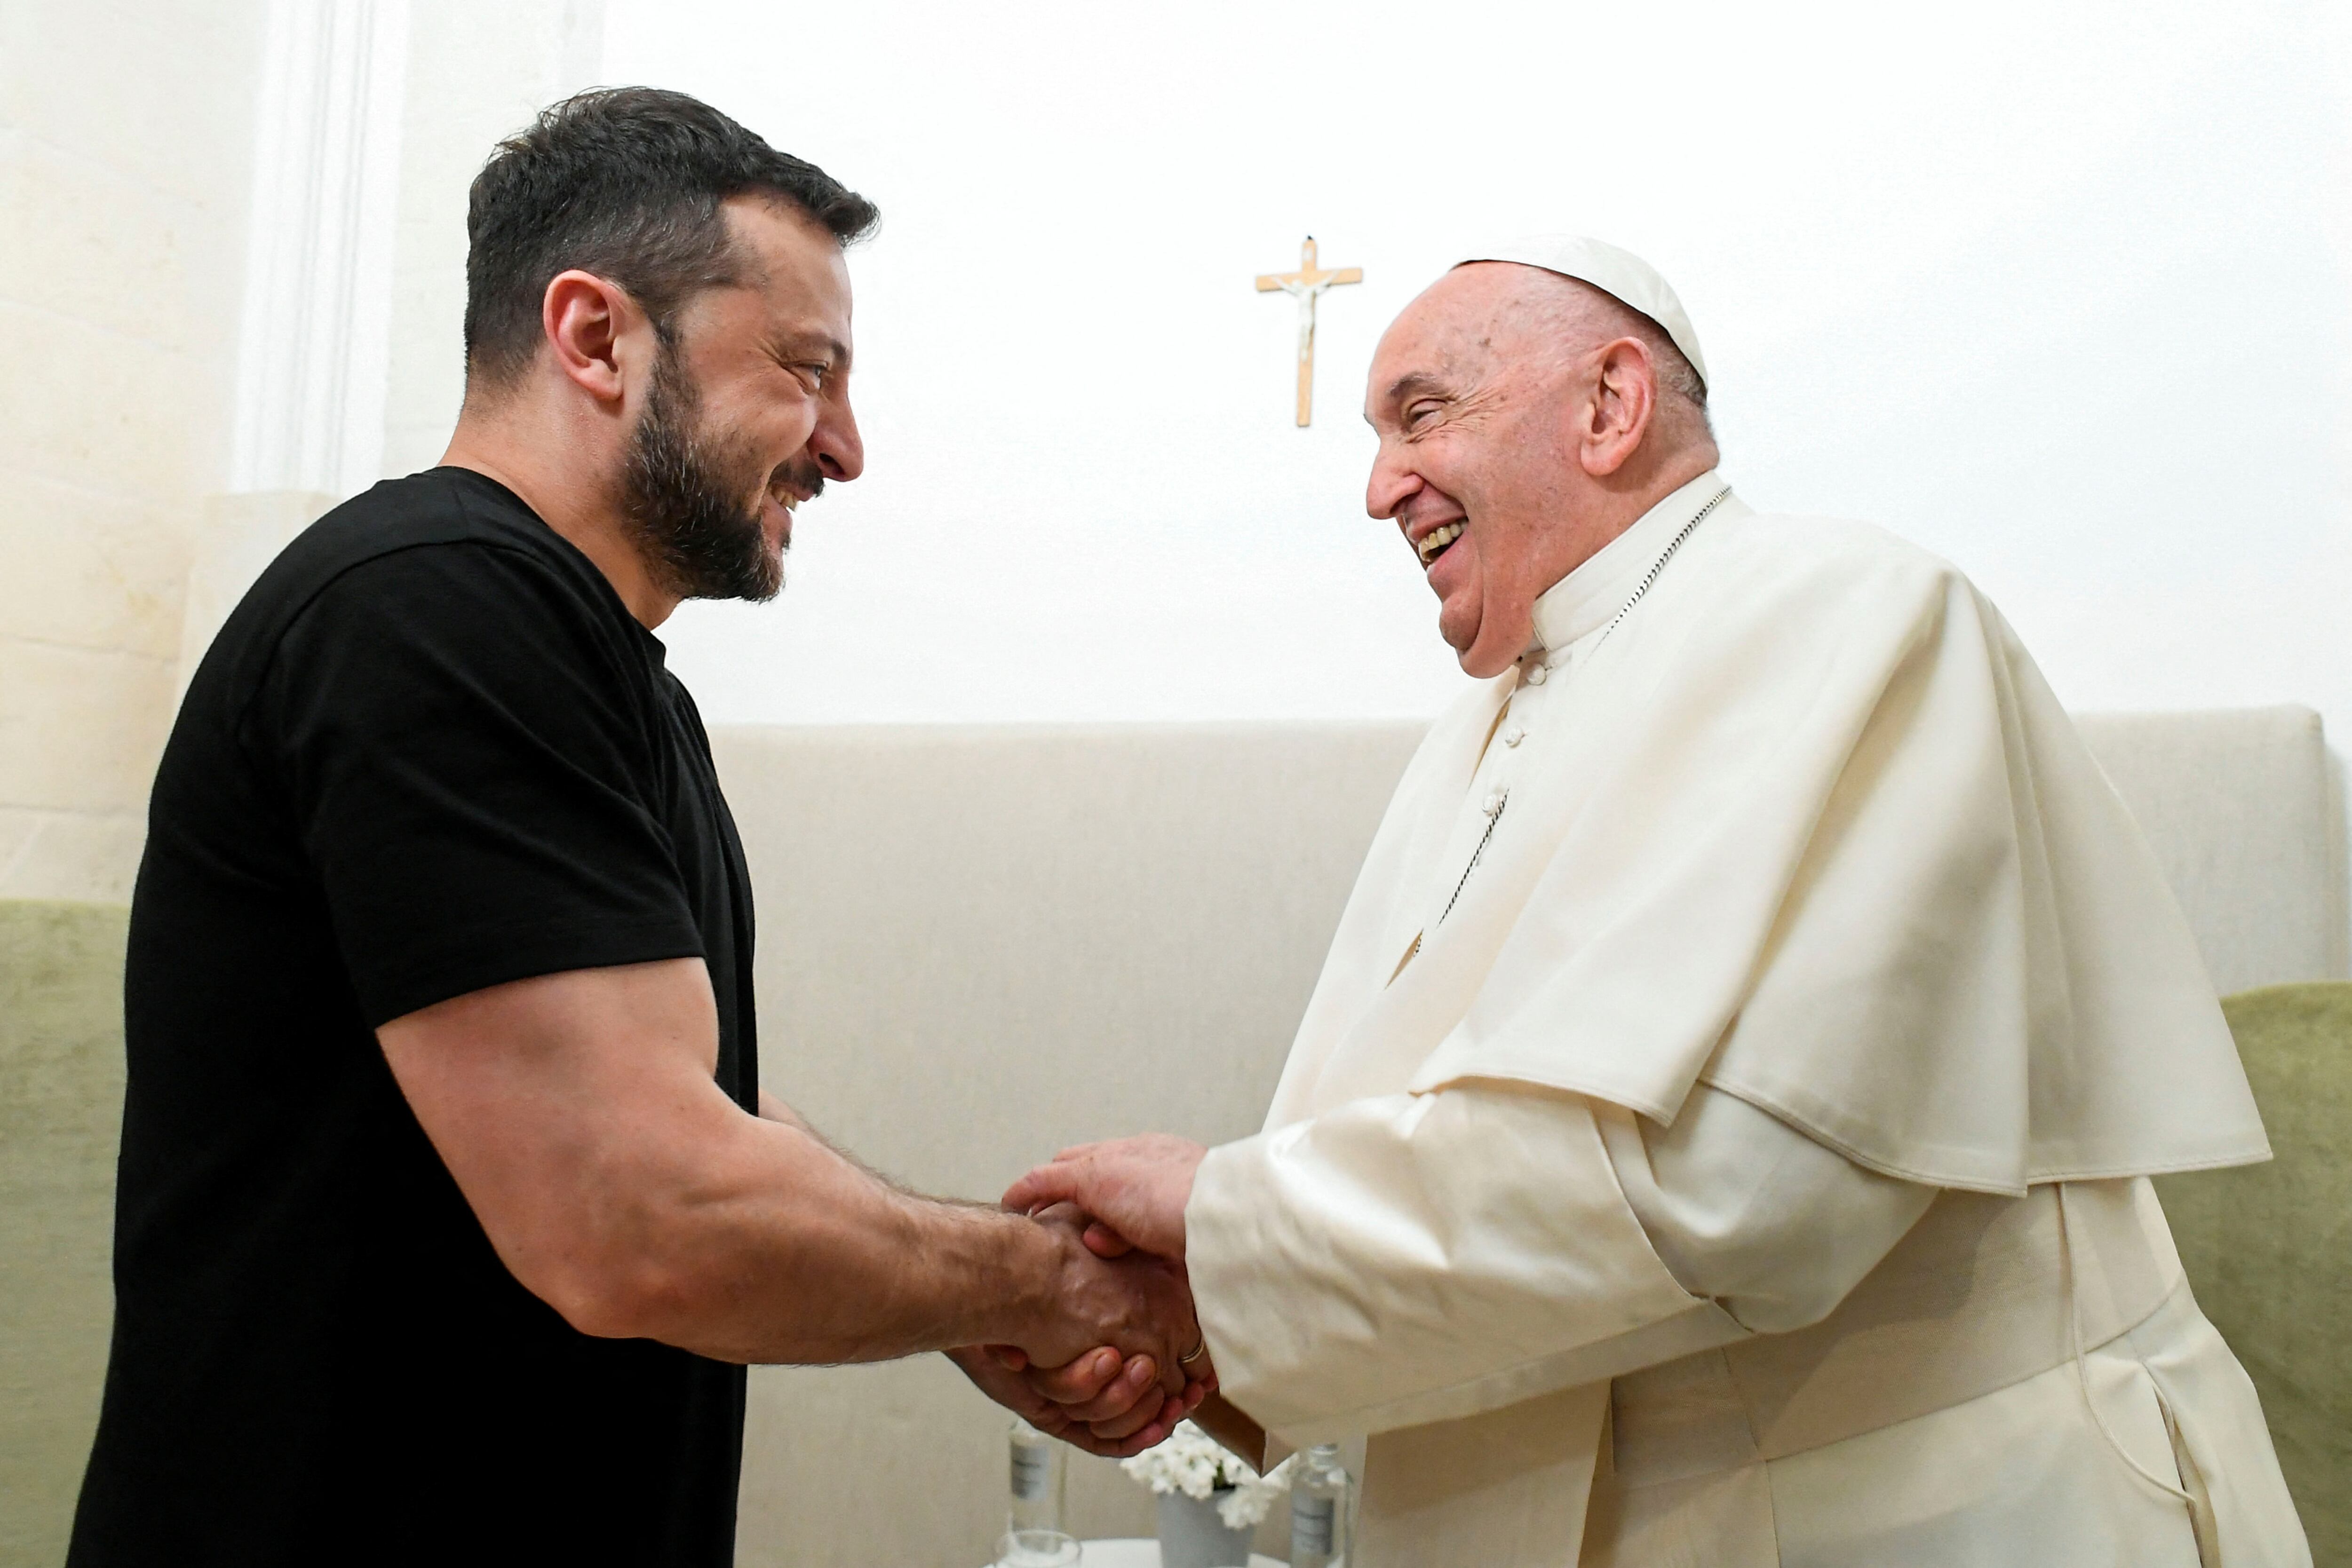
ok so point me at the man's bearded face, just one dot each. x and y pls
(693, 494)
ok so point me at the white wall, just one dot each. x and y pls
(122, 225)
(476, 73)
(2058, 291)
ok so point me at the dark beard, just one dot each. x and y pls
(683, 493)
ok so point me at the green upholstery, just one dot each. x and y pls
(2269, 1248)
(60, 1115)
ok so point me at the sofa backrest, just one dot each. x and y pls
(2244, 809)
(979, 945)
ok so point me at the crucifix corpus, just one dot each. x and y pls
(1304, 286)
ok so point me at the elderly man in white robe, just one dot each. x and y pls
(1720, 1134)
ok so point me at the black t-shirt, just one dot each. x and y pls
(430, 752)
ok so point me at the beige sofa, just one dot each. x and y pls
(978, 945)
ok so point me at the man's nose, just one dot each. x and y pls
(840, 451)
(1391, 485)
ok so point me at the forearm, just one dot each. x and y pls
(578, 1113)
(1419, 1258)
(774, 1248)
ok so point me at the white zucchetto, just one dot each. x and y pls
(1619, 274)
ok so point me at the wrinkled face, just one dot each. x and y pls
(1477, 460)
(747, 413)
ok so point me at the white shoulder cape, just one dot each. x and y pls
(1810, 828)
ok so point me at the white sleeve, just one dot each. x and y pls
(1748, 1211)
(1422, 1257)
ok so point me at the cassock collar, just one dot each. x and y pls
(1581, 602)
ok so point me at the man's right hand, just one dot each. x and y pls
(1139, 1304)
(1127, 1387)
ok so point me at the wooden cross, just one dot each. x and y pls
(1305, 286)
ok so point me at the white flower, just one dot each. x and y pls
(1194, 1463)
(1252, 1498)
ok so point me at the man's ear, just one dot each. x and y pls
(589, 323)
(1625, 399)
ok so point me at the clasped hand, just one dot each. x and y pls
(1124, 1202)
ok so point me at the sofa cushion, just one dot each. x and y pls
(2268, 1247)
(60, 1119)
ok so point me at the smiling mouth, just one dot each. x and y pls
(1435, 542)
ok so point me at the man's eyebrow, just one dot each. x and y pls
(810, 345)
(1410, 383)
(1406, 386)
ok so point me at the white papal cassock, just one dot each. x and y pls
(1719, 1133)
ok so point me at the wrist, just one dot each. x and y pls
(1022, 1270)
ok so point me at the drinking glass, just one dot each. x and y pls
(1037, 1549)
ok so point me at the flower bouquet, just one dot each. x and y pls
(1210, 1500)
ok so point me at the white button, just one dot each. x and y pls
(1538, 676)
(1514, 734)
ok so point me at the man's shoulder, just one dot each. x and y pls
(441, 546)
(438, 509)
(1826, 568)
(1780, 597)
(1804, 545)
(434, 560)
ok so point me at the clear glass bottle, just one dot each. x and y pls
(1040, 1475)
(1318, 1509)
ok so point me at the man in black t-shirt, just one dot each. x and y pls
(450, 1204)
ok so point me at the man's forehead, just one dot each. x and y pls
(791, 265)
(773, 234)
(1444, 337)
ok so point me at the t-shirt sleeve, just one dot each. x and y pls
(467, 758)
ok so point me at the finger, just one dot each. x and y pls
(1104, 1242)
(1079, 1437)
(1010, 1357)
(1082, 1380)
(1132, 1388)
(1173, 1376)
(1045, 1185)
(1152, 1437)
(1151, 1412)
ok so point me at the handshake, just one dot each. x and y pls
(1119, 1357)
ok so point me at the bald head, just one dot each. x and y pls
(1544, 317)
(1526, 419)
(1577, 318)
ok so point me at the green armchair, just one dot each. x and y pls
(2269, 1248)
(60, 1119)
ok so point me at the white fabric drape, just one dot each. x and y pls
(1349, 1252)
(1809, 827)
(1702, 974)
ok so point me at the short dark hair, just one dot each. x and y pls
(625, 183)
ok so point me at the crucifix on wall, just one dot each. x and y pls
(1305, 286)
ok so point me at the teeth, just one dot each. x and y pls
(1436, 540)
